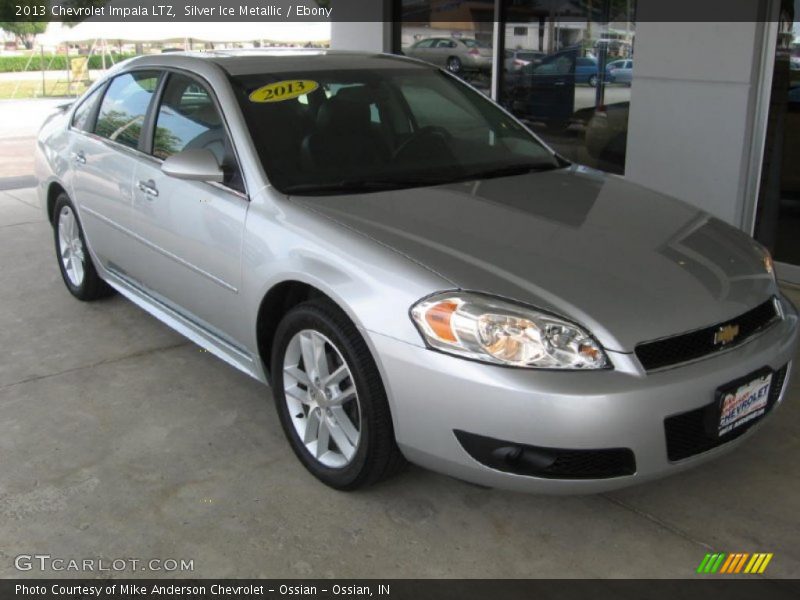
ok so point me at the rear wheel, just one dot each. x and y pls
(593, 81)
(454, 64)
(330, 398)
(74, 261)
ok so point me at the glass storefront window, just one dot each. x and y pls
(778, 212)
(455, 35)
(567, 67)
(567, 72)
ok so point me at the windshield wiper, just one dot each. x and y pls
(362, 186)
(510, 170)
(352, 186)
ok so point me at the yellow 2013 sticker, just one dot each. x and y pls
(283, 90)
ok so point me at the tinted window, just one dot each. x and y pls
(383, 128)
(124, 107)
(424, 44)
(431, 108)
(474, 43)
(80, 118)
(188, 119)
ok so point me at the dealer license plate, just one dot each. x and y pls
(743, 404)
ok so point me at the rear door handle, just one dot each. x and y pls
(79, 157)
(149, 188)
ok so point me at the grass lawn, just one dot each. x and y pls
(33, 89)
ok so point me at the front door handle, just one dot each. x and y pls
(149, 188)
(79, 157)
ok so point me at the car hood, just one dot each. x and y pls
(626, 262)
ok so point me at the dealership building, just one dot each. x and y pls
(706, 111)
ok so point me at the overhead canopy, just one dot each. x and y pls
(248, 31)
(223, 31)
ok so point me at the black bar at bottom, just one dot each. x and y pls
(746, 587)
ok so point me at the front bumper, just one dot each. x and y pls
(433, 395)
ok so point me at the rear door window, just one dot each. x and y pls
(124, 107)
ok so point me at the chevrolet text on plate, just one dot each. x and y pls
(415, 275)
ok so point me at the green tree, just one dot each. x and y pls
(25, 31)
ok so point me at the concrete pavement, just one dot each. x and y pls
(121, 439)
(20, 121)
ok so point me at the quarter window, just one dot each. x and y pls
(80, 118)
(124, 107)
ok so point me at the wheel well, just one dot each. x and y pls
(52, 193)
(279, 301)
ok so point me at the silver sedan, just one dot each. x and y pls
(413, 272)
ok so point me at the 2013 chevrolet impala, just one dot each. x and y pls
(413, 272)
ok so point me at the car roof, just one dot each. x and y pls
(247, 62)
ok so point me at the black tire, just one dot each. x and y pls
(377, 456)
(593, 81)
(454, 65)
(91, 287)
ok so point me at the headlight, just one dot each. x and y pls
(766, 260)
(769, 264)
(495, 331)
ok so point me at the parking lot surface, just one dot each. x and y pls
(120, 439)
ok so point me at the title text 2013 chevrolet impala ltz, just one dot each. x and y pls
(413, 272)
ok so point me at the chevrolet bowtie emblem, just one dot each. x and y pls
(726, 334)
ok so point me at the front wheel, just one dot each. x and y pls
(593, 81)
(330, 398)
(74, 261)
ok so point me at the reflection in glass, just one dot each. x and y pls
(188, 119)
(124, 106)
(567, 72)
(458, 38)
(778, 214)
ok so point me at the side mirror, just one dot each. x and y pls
(195, 164)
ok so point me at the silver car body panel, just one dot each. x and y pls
(550, 240)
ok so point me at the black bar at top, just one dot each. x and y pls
(379, 11)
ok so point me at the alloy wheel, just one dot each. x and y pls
(70, 246)
(321, 398)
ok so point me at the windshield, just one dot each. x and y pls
(362, 130)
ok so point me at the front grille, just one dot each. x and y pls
(700, 343)
(688, 433)
(550, 463)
